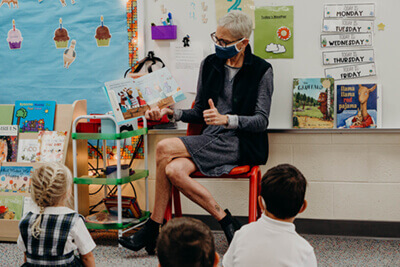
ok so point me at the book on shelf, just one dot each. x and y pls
(11, 207)
(34, 116)
(6, 112)
(28, 150)
(15, 179)
(313, 103)
(130, 98)
(130, 206)
(51, 146)
(8, 143)
(358, 106)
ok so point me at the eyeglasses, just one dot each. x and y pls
(222, 42)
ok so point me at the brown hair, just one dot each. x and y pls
(283, 188)
(50, 184)
(186, 242)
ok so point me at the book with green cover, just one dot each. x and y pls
(6, 114)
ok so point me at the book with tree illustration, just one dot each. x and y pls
(358, 106)
(8, 143)
(130, 98)
(34, 116)
(313, 103)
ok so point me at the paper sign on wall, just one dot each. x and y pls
(273, 35)
(348, 57)
(343, 40)
(349, 11)
(347, 26)
(351, 72)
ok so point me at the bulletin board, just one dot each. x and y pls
(189, 16)
(34, 66)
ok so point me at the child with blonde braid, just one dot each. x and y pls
(50, 236)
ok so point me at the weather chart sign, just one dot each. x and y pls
(273, 35)
(348, 57)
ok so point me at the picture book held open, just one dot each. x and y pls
(130, 98)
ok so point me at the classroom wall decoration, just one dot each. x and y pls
(225, 6)
(273, 35)
(62, 50)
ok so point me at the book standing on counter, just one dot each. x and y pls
(358, 106)
(313, 103)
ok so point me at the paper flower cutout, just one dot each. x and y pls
(284, 33)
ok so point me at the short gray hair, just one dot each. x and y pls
(238, 23)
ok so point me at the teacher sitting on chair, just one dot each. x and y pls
(233, 101)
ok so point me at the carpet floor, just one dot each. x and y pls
(330, 251)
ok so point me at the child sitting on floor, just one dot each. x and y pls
(51, 235)
(186, 242)
(272, 239)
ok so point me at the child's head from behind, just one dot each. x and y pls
(283, 188)
(186, 242)
(51, 183)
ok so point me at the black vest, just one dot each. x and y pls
(253, 146)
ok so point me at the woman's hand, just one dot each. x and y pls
(155, 114)
(135, 75)
(212, 116)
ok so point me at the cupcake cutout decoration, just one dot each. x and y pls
(61, 37)
(103, 35)
(14, 38)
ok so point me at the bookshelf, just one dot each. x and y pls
(64, 116)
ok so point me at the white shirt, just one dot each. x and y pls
(78, 238)
(268, 242)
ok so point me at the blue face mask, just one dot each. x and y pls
(226, 52)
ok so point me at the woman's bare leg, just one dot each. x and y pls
(178, 171)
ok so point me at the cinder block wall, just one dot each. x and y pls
(350, 176)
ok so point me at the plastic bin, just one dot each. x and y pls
(163, 32)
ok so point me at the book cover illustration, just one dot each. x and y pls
(11, 207)
(51, 146)
(8, 143)
(130, 98)
(357, 106)
(313, 103)
(27, 150)
(34, 116)
(15, 179)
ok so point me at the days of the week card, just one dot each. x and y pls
(351, 71)
(349, 11)
(348, 26)
(348, 57)
(346, 40)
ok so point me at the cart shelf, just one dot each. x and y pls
(117, 226)
(109, 136)
(139, 174)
